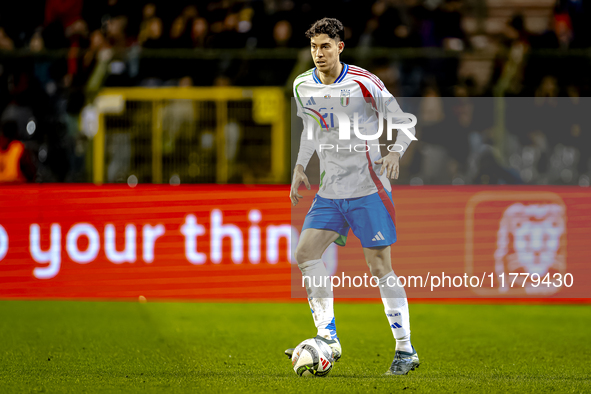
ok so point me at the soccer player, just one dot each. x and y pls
(355, 190)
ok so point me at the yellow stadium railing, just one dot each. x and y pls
(200, 134)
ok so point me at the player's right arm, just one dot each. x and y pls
(299, 177)
(305, 153)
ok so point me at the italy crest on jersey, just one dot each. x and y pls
(345, 95)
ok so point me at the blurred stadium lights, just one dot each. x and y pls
(31, 127)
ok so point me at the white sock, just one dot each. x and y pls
(320, 297)
(396, 308)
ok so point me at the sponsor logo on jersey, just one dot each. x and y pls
(345, 95)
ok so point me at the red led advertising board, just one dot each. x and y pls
(215, 242)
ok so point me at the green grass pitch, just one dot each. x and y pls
(221, 347)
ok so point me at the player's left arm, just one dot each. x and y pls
(391, 109)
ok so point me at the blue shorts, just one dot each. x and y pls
(372, 218)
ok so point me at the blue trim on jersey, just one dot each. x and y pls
(315, 77)
(343, 73)
(339, 78)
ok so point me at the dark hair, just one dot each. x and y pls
(330, 26)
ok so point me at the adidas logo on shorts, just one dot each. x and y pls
(378, 237)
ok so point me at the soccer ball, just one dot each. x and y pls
(312, 357)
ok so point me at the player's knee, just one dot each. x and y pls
(379, 272)
(379, 268)
(303, 254)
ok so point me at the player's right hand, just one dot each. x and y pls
(299, 176)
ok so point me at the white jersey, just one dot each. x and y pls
(347, 170)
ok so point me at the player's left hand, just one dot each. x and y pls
(391, 164)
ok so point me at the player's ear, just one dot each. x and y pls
(341, 46)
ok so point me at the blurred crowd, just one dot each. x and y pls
(55, 55)
(547, 142)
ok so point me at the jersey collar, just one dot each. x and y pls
(339, 78)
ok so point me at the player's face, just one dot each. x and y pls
(325, 52)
